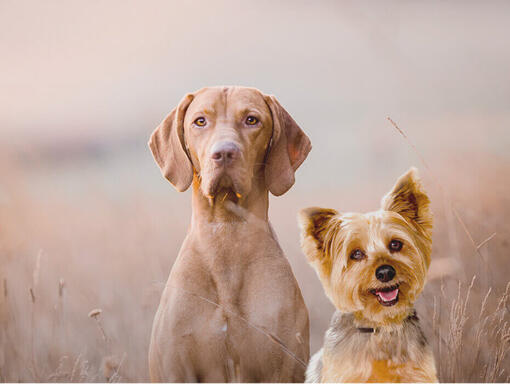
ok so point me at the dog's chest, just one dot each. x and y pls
(364, 370)
(384, 371)
(350, 355)
(246, 268)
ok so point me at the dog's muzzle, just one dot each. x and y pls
(224, 153)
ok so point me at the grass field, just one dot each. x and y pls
(71, 243)
(89, 229)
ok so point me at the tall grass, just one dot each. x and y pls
(81, 275)
(467, 347)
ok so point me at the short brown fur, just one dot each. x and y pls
(231, 297)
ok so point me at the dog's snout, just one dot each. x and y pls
(385, 273)
(225, 152)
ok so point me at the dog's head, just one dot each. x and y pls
(374, 264)
(229, 137)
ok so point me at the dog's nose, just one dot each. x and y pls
(225, 152)
(385, 273)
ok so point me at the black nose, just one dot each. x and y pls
(385, 273)
(224, 152)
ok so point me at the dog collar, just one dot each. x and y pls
(412, 316)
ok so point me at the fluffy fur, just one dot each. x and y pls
(375, 335)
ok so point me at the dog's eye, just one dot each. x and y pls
(200, 122)
(395, 245)
(251, 120)
(357, 254)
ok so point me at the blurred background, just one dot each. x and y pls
(87, 221)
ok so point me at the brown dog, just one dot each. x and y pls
(232, 309)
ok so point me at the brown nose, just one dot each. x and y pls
(224, 152)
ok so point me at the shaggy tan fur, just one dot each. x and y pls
(346, 250)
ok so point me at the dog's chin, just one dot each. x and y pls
(386, 304)
(222, 187)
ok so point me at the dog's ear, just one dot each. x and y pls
(168, 147)
(409, 199)
(315, 223)
(288, 149)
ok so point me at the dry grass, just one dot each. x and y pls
(82, 270)
(467, 347)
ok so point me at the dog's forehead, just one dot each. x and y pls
(246, 96)
(381, 220)
(374, 223)
(228, 99)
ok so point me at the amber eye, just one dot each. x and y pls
(200, 122)
(251, 120)
(357, 254)
(395, 245)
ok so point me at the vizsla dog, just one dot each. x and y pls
(231, 309)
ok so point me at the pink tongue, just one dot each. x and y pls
(388, 296)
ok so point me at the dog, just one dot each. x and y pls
(232, 309)
(372, 267)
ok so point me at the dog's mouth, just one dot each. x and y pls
(224, 194)
(223, 188)
(386, 296)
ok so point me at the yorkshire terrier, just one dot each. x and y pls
(373, 266)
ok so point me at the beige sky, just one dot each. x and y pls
(94, 69)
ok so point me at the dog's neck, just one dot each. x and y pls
(398, 342)
(364, 328)
(226, 208)
(367, 325)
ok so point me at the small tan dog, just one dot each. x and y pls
(373, 266)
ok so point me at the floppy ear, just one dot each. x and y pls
(289, 148)
(314, 223)
(167, 146)
(409, 199)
